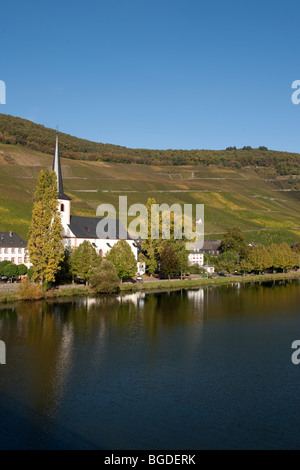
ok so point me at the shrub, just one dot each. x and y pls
(104, 279)
(196, 269)
(27, 290)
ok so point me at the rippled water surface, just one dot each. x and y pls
(200, 369)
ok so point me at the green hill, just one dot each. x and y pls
(24, 133)
(259, 195)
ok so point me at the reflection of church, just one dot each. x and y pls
(78, 229)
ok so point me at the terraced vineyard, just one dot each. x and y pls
(264, 204)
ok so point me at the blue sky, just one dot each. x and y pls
(155, 74)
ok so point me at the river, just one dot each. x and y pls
(208, 368)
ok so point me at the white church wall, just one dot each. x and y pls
(64, 207)
(101, 245)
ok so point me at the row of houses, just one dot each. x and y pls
(14, 249)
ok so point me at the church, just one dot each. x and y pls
(76, 228)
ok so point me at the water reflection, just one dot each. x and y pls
(131, 359)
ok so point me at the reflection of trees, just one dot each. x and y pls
(46, 337)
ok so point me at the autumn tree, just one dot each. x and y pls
(260, 258)
(277, 256)
(227, 262)
(282, 257)
(289, 257)
(149, 245)
(246, 266)
(45, 235)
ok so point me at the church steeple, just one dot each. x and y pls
(57, 168)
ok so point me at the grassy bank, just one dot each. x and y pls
(64, 292)
(80, 291)
(192, 283)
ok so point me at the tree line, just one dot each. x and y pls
(238, 256)
(25, 133)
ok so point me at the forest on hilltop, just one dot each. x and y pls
(18, 131)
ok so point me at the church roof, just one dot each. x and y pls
(57, 168)
(86, 227)
(11, 239)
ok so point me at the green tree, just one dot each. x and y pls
(30, 273)
(2, 266)
(209, 259)
(227, 262)
(104, 279)
(64, 274)
(45, 235)
(22, 269)
(11, 270)
(169, 260)
(182, 255)
(122, 257)
(83, 260)
(234, 241)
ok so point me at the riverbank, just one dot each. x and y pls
(200, 282)
(73, 291)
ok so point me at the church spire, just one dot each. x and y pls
(57, 168)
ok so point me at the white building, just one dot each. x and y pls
(196, 257)
(13, 248)
(77, 229)
(210, 269)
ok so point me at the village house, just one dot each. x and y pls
(196, 257)
(211, 247)
(13, 248)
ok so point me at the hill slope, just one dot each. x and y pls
(24, 133)
(263, 203)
